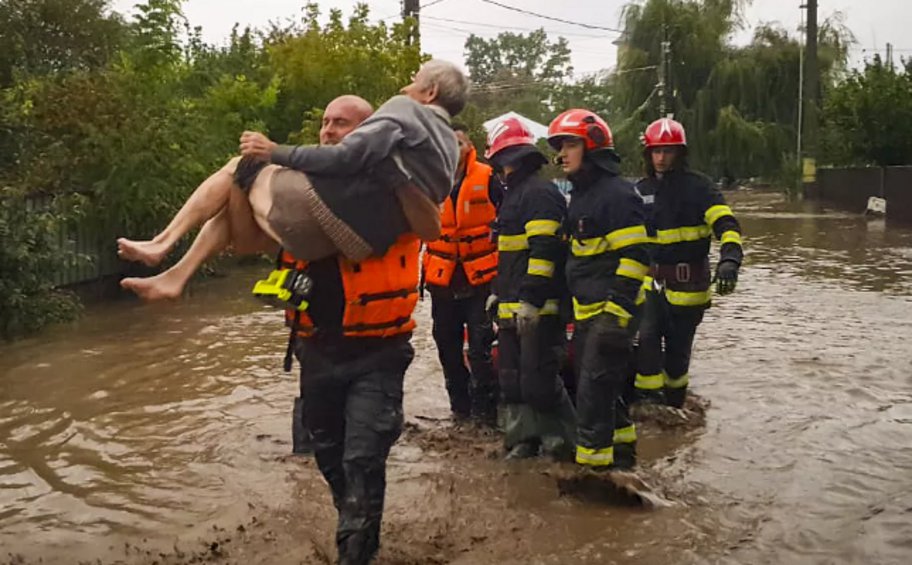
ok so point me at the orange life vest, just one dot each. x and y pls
(465, 232)
(380, 292)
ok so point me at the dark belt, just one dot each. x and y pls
(684, 273)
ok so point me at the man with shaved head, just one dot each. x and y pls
(352, 371)
(340, 117)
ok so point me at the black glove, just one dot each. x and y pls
(726, 277)
(606, 328)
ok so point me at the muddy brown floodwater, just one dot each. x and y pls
(160, 433)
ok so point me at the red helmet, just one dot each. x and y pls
(664, 132)
(583, 124)
(508, 133)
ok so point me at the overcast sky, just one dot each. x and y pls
(874, 22)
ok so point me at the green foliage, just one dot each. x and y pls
(130, 117)
(739, 104)
(868, 117)
(517, 72)
(43, 37)
(29, 250)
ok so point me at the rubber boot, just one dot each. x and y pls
(558, 431)
(675, 397)
(624, 456)
(520, 431)
(645, 396)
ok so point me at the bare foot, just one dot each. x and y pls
(159, 287)
(150, 253)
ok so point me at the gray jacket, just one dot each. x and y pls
(416, 136)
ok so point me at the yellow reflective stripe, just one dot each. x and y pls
(687, 233)
(542, 227)
(679, 298)
(679, 382)
(506, 310)
(625, 435)
(623, 315)
(731, 237)
(632, 269)
(512, 242)
(541, 268)
(589, 247)
(716, 212)
(594, 457)
(649, 382)
(635, 235)
(586, 311)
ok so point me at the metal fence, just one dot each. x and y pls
(93, 253)
(850, 188)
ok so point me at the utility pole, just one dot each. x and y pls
(412, 9)
(890, 55)
(811, 89)
(666, 93)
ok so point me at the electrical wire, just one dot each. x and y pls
(552, 18)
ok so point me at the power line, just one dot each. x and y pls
(431, 3)
(518, 28)
(552, 18)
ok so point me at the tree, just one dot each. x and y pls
(39, 37)
(868, 117)
(739, 104)
(518, 72)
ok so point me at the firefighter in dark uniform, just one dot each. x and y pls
(538, 413)
(684, 211)
(457, 271)
(607, 265)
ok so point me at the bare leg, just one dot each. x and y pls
(234, 224)
(205, 202)
(214, 237)
(250, 229)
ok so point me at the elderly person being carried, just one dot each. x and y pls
(386, 178)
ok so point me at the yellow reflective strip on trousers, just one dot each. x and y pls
(679, 298)
(716, 212)
(542, 227)
(589, 247)
(541, 268)
(625, 435)
(622, 314)
(687, 233)
(594, 457)
(731, 237)
(679, 382)
(649, 382)
(586, 311)
(634, 235)
(512, 242)
(506, 310)
(632, 269)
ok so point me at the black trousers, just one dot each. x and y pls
(353, 409)
(605, 432)
(530, 368)
(666, 337)
(472, 389)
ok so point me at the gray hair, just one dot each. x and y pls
(452, 84)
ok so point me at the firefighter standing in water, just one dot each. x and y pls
(684, 210)
(457, 271)
(607, 265)
(538, 413)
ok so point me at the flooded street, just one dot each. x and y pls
(162, 433)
